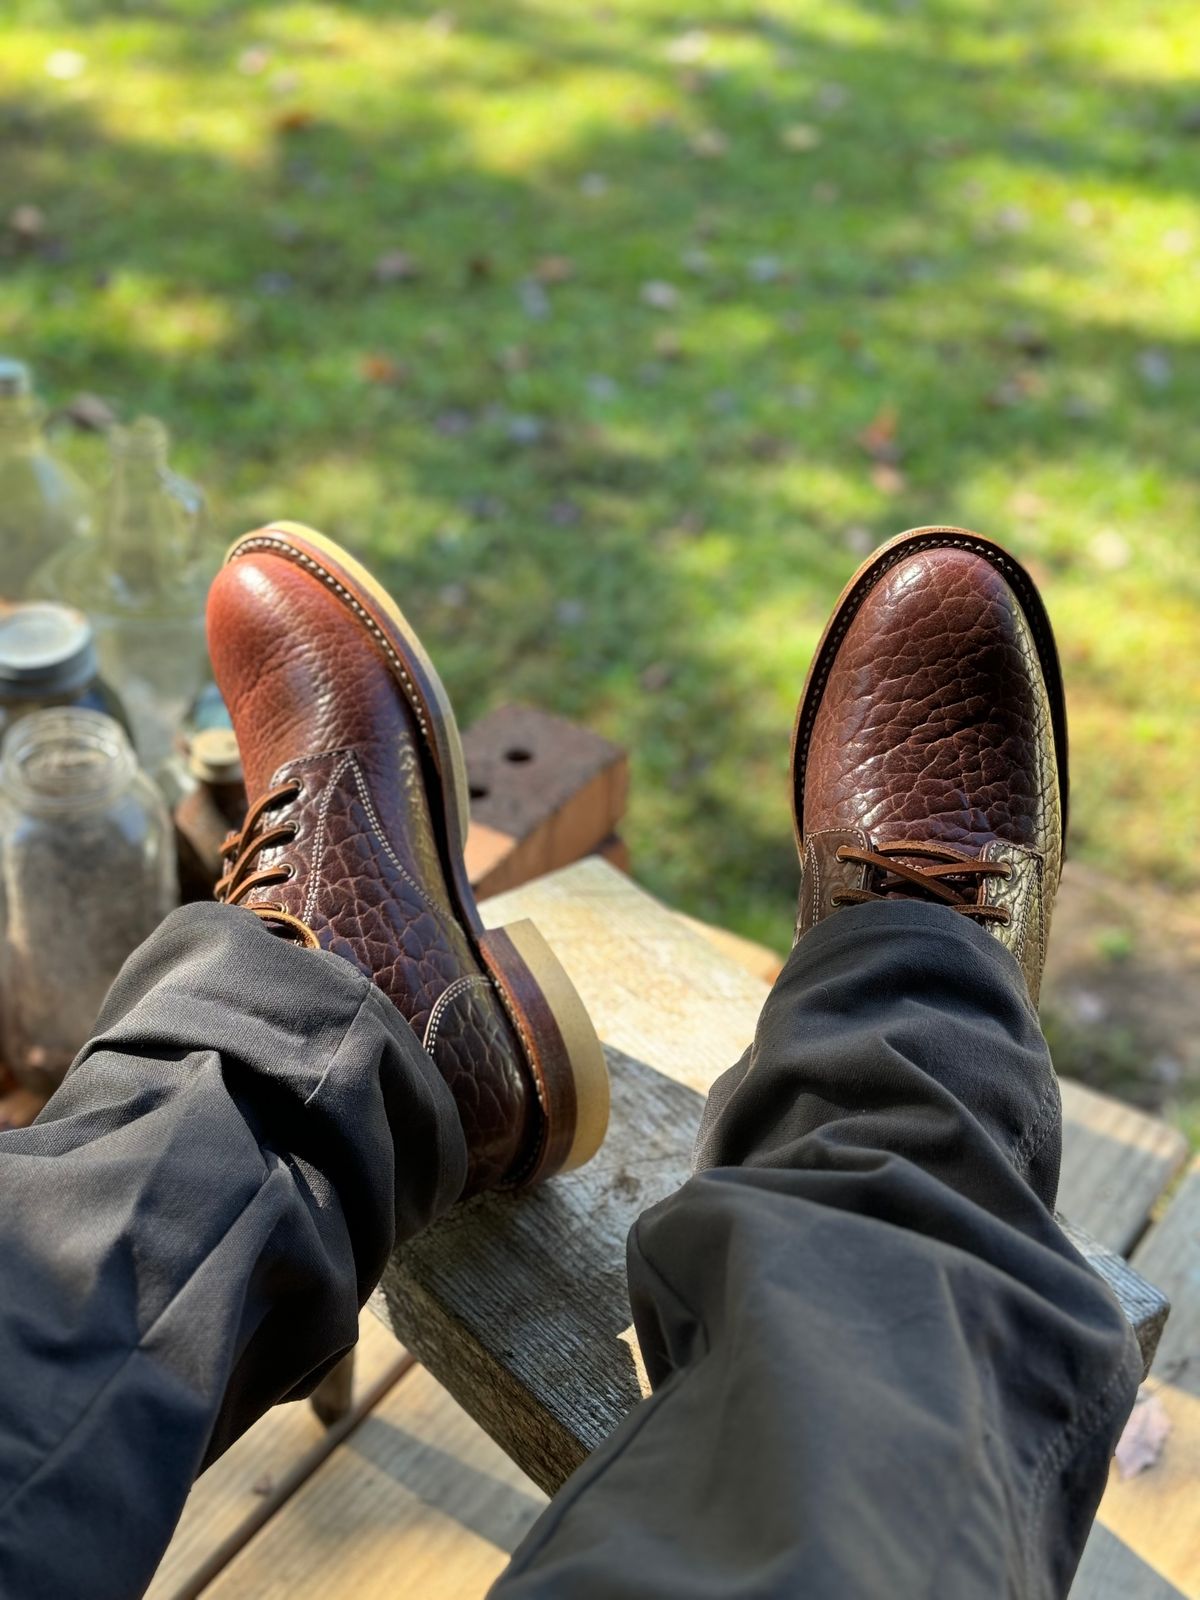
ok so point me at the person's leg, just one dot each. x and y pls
(187, 1231)
(880, 1369)
(878, 1366)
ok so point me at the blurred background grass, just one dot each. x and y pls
(616, 335)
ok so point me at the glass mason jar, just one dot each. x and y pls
(87, 871)
(48, 658)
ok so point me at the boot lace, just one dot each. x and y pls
(243, 847)
(950, 879)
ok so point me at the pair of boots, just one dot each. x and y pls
(929, 761)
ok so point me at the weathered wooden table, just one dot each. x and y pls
(519, 1306)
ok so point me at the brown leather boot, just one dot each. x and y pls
(354, 842)
(929, 758)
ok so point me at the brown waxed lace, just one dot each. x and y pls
(949, 881)
(240, 850)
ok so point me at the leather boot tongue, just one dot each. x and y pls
(898, 888)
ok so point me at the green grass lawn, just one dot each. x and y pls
(616, 335)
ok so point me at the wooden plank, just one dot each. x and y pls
(1116, 1163)
(1144, 1305)
(1146, 1544)
(655, 989)
(1110, 1571)
(519, 1306)
(253, 1478)
(759, 959)
(418, 1501)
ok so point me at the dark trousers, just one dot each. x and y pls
(879, 1369)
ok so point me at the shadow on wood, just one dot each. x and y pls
(519, 1305)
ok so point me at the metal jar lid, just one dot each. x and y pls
(213, 757)
(46, 650)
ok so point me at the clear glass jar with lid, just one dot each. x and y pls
(48, 658)
(87, 871)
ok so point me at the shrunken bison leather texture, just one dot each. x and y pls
(930, 747)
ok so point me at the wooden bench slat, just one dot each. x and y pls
(1146, 1543)
(1117, 1161)
(519, 1305)
(246, 1485)
(418, 1501)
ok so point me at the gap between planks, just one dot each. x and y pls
(256, 1477)
(1146, 1542)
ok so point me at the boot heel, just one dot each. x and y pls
(560, 1045)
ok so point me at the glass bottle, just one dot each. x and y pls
(48, 658)
(87, 871)
(44, 507)
(142, 581)
(213, 807)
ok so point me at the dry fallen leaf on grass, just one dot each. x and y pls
(396, 266)
(382, 369)
(296, 119)
(90, 412)
(800, 138)
(27, 223)
(888, 479)
(1146, 1432)
(710, 144)
(554, 269)
(878, 438)
(662, 296)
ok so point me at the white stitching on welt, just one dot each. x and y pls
(442, 1002)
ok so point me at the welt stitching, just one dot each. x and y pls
(442, 1004)
(261, 542)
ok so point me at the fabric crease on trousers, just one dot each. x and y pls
(879, 1368)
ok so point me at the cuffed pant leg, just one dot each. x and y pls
(879, 1367)
(188, 1230)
